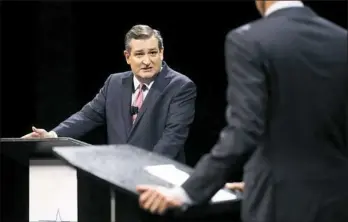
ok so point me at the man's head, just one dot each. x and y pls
(263, 5)
(144, 51)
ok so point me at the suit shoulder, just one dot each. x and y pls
(244, 34)
(117, 77)
(245, 29)
(120, 75)
(258, 30)
(255, 35)
(180, 78)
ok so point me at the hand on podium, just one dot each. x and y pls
(39, 133)
(157, 199)
(239, 186)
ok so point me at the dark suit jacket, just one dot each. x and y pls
(162, 124)
(287, 120)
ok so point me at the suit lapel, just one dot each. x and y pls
(155, 92)
(127, 90)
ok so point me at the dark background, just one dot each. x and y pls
(56, 56)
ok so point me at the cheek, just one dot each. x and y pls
(157, 60)
(135, 64)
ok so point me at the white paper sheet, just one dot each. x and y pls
(169, 173)
(173, 175)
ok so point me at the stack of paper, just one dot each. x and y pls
(173, 175)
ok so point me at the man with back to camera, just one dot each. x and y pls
(287, 118)
(152, 106)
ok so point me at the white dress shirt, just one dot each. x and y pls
(283, 4)
(136, 84)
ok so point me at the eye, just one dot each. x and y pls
(153, 52)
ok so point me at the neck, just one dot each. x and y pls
(146, 81)
(265, 6)
(271, 6)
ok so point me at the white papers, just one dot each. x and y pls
(169, 173)
(223, 195)
(173, 175)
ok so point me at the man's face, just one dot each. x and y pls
(144, 57)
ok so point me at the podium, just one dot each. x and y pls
(122, 167)
(14, 181)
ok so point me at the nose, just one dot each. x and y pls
(146, 60)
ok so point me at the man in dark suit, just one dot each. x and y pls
(287, 122)
(152, 106)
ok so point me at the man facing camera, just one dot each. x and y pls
(152, 106)
(287, 122)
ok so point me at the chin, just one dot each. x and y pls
(147, 75)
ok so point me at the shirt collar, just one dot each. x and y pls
(136, 84)
(283, 4)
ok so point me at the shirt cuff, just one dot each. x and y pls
(181, 193)
(53, 134)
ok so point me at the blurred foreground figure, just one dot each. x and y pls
(287, 122)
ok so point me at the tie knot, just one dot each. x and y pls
(142, 87)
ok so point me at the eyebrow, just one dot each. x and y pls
(141, 50)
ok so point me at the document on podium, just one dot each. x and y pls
(177, 177)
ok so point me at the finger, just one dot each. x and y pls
(235, 186)
(39, 131)
(168, 203)
(163, 206)
(31, 135)
(26, 136)
(156, 201)
(175, 202)
(35, 134)
(144, 197)
(231, 186)
(153, 197)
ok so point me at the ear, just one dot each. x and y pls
(126, 55)
(161, 53)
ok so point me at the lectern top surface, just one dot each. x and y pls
(125, 166)
(120, 165)
(60, 140)
(35, 148)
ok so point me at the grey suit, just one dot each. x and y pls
(287, 121)
(162, 124)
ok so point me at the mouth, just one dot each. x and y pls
(147, 69)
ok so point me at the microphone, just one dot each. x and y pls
(134, 110)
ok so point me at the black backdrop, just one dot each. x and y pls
(56, 56)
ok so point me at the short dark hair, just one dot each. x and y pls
(142, 32)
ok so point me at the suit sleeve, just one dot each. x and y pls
(245, 114)
(89, 117)
(180, 117)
